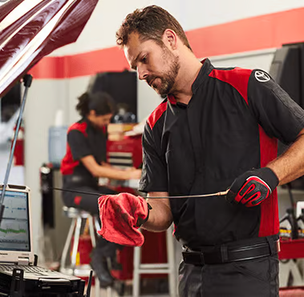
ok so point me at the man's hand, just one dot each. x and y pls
(252, 187)
(121, 216)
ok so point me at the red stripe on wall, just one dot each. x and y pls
(109, 59)
(261, 32)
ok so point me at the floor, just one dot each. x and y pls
(114, 293)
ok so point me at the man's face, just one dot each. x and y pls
(155, 64)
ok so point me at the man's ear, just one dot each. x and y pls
(170, 39)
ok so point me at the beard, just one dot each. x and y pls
(167, 80)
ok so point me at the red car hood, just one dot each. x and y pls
(32, 29)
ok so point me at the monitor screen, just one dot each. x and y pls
(14, 226)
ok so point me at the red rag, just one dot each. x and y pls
(119, 214)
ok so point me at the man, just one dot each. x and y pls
(216, 129)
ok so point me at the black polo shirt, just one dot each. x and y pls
(230, 125)
(83, 139)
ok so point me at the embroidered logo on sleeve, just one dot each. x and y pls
(261, 76)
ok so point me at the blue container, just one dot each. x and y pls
(57, 144)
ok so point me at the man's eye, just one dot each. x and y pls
(144, 59)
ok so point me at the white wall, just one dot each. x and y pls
(255, 59)
(108, 15)
(147, 100)
(44, 98)
(195, 14)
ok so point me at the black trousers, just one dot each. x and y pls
(89, 203)
(83, 200)
(250, 278)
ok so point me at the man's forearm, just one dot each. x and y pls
(290, 165)
(160, 216)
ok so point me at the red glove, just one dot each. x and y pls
(252, 187)
(120, 215)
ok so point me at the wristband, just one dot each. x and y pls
(141, 221)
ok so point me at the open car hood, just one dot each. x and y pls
(32, 29)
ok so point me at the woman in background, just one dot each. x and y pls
(83, 165)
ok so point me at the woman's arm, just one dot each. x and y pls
(109, 172)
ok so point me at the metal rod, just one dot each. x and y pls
(152, 197)
(27, 80)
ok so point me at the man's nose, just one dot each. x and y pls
(142, 73)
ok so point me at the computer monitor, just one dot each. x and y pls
(287, 69)
(122, 86)
(14, 226)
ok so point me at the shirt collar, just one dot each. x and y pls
(202, 75)
(171, 99)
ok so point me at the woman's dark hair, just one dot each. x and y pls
(150, 23)
(101, 102)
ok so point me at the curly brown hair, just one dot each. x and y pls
(150, 23)
(101, 102)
